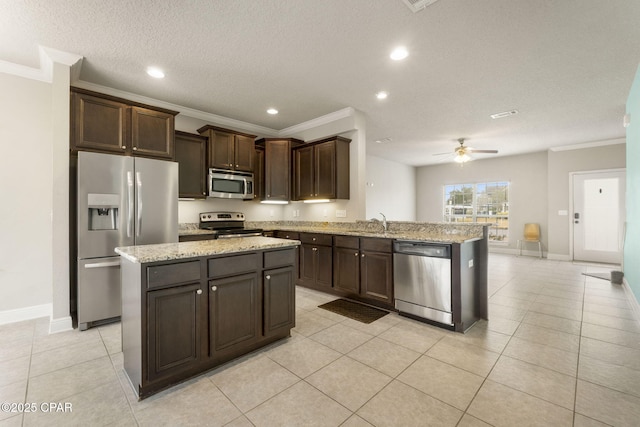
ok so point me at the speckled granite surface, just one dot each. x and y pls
(443, 232)
(170, 251)
(424, 231)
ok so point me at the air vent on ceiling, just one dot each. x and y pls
(418, 5)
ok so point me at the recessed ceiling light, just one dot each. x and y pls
(382, 95)
(504, 114)
(155, 72)
(399, 53)
(383, 140)
(272, 111)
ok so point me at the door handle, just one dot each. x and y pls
(103, 264)
(129, 203)
(139, 200)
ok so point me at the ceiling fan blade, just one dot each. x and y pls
(471, 150)
(442, 154)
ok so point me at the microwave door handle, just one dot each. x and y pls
(129, 203)
(139, 200)
(246, 186)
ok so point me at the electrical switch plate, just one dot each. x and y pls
(470, 263)
(324, 212)
(341, 213)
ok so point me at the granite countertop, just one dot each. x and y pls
(171, 251)
(441, 232)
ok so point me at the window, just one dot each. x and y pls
(482, 202)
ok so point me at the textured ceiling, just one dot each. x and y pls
(565, 65)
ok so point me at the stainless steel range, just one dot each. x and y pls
(227, 224)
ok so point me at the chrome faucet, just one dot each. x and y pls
(384, 222)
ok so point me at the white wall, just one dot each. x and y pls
(391, 189)
(26, 134)
(527, 175)
(561, 164)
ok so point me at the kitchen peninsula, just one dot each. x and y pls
(188, 307)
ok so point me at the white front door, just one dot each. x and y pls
(598, 216)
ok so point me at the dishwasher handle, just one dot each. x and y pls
(422, 249)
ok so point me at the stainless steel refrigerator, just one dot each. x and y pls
(121, 201)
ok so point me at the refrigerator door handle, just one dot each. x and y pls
(129, 203)
(103, 264)
(139, 200)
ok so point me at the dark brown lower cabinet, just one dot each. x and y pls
(174, 328)
(363, 268)
(183, 317)
(316, 261)
(233, 314)
(279, 288)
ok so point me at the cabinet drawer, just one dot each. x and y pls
(316, 239)
(351, 242)
(162, 275)
(279, 258)
(230, 265)
(376, 245)
(293, 235)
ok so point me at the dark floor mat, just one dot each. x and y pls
(353, 310)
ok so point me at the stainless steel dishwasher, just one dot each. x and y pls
(422, 280)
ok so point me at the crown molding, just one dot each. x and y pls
(589, 145)
(48, 57)
(318, 121)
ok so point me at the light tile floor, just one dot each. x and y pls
(560, 349)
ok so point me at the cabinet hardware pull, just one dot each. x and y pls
(237, 165)
(135, 148)
(199, 292)
(315, 249)
(314, 239)
(214, 288)
(124, 147)
(356, 254)
(268, 277)
(362, 255)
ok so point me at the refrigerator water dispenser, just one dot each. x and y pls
(103, 211)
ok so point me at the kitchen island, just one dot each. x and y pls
(188, 307)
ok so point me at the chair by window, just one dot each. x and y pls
(531, 235)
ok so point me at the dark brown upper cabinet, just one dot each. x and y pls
(277, 167)
(191, 155)
(229, 149)
(109, 124)
(321, 169)
(258, 173)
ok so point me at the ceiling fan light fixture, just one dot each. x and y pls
(382, 95)
(155, 72)
(462, 158)
(272, 111)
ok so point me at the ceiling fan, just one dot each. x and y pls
(462, 152)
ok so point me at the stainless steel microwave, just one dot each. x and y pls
(226, 184)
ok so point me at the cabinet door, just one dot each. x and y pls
(152, 133)
(325, 170)
(376, 280)
(324, 266)
(99, 124)
(174, 322)
(221, 149)
(233, 314)
(259, 174)
(346, 269)
(191, 157)
(306, 273)
(303, 173)
(278, 301)
(277, 170)
(243, 153)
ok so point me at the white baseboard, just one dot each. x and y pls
(60, 325)
(516, 252)
(558, 257)
(26, 313)
(635, 307)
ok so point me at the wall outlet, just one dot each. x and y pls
(470, 263)
(271, 213)
(341, 213)
(325, 213)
